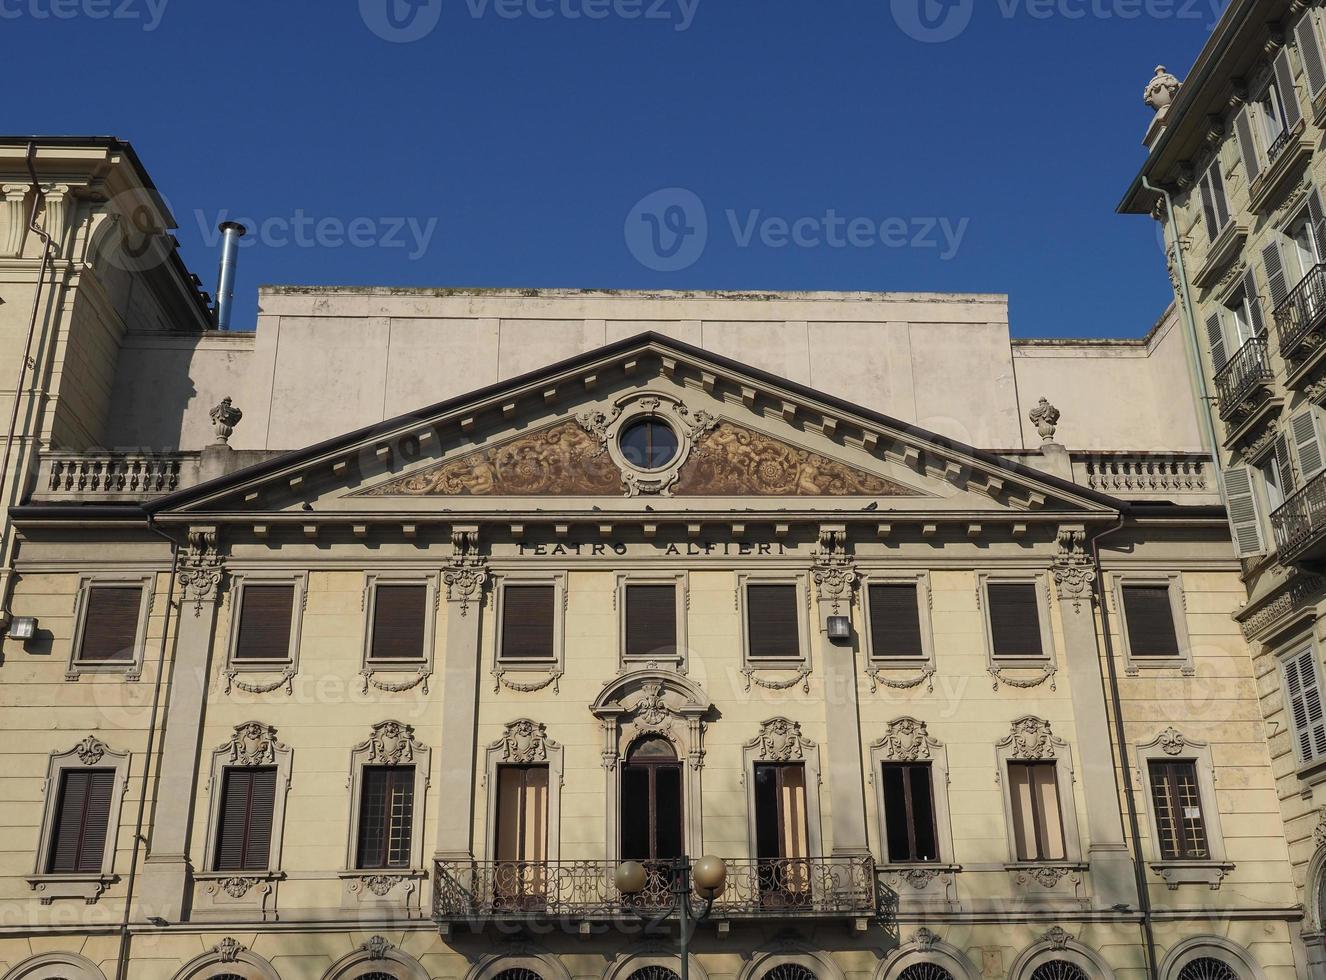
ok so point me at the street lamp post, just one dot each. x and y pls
(709, 875)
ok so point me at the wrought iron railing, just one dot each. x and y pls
(1301, 520)
(476, 890)
(1278, 145)
(1247, 371)
(1299, 318)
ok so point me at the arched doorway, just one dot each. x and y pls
(652, 825)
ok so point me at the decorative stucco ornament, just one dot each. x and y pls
(1161, 90)
(224, 419)
(1046, 419)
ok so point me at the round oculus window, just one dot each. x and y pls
(649, 444)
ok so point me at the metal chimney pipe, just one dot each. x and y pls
(231, 233)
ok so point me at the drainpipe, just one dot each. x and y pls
(48, 246)
(1190, 323)
(1126, 772)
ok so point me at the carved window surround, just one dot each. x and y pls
(1178, 604)
(132, 667)
(422, 669)
(682, 582)
(390, 743)
(907, 740)
(1031, 739)
(800, 666)
(781, 740)
(525, 743)
(654, 702)
(228, 957)
(91, 753)
(1171, 745)
(377, 956)
(251, 745)
(899, 673)
(288, 666)
(533, 675)
(1046, 666)
(1057, 945)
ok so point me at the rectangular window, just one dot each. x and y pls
(386, 817)
(909, 813)
(1015, 621)
(773, 630)
(400, 615)
(244, 835)
(1214, 204)
(895, 621)
(1150, 617)
(782, 841)
(1305, 707)
(82, 814)
(1272, 116)
(522, 835)
(528, 622)
(1277, 474)
(1178, 803)
(651, 621)
(110, 627)
(264, 622)
(1038, 830)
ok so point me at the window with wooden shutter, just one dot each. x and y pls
(773, 626)
(1253, 303)
(400, 615)
(1038, 832)
(1215, 205)
(529, 617)
(265, 616)
(909, 813)
(1015, 621)
(1310, 53)
(651, 621)
(1307, 443)
(244, 832)
(1252, 163)
(1305, 704)
(110, 625)
(1149, 615)
(1273, 260)
(895, 621)
(1215, 338)
(1291, 113)
(386, 817)
(82, 815)
(1177, 799)
(1244, 512)
(521, 844)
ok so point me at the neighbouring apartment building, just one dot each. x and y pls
(1235, 174)
(371, 643)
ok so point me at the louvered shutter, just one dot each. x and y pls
(399, 617)
(1318, 218)
(1284, 81)
(111, 624)
(1307, 444)
(651, 621)
(264, 622)
(772, 626)
(1015, 620)
(1244, 514)
(82, 814)
(528, 617)
(1309, 51)
(1305, 707)
(1208, 206)
(895, 621)
(1218, 198)
(1216, 338)
(1150, 618)
(1252, 164)
(244, 834)
(1285, 465)
(1254, 303)
(1275, 274)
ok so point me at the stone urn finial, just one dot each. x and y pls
(1046, 419)
(224, 419)
(1161, 91)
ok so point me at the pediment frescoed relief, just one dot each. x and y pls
(566, 459)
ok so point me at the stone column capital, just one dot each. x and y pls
(1074, 570)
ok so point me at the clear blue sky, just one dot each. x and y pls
(518, 137)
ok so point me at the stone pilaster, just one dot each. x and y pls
(165, 879)
(1112, 875)
(835, 583)
(465, 577)
(15, 197)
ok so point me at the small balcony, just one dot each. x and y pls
(1246, 379)
(1300, 523)
(583, 891)
(1300, 319)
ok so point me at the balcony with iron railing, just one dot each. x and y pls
(1247, 375)
(1300, 320)
(1300, 523)
(577, 891)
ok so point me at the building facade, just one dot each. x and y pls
(372, 643)
(1234, 173)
